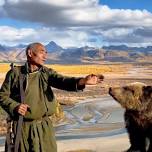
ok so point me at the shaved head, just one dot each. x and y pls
(36, 54)
(32, 47)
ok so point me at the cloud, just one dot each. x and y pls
(2, 11)
(10, 35)
(65, 38)
(144, 32)
(49, 13)
(128, 36)
(68, 13)
(2, 2)
(78, 22)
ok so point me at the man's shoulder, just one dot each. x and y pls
(47, 70)
(17, 69)
(13, 72)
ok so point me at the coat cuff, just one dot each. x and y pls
(12, 107)
(79, 87)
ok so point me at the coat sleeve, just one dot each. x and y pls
(63, 82)
(6, 102)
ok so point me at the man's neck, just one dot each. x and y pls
(33, 67)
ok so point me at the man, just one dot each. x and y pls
(37, 130)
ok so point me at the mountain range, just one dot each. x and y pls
(81, 55)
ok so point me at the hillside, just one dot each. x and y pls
(81, 55)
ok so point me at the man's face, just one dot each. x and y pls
(38, 55)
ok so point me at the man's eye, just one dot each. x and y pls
(41, 51)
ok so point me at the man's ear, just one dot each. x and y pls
(29, 52)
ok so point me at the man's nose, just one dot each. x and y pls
(45, 55)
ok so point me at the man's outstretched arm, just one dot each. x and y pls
(72, 83)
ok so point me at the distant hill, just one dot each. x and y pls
(126, 48)
(2, 48)
(52, 46)
(81, 55)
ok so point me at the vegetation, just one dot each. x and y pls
(79, 69)
(4, 67)
(87, 69)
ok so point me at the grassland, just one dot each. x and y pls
(4, 67)
(80, 69)
(87, 69)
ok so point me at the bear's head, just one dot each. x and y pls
(134, 96)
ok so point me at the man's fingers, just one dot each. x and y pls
(27, 105)
(21, 112)
(93, 79)
(22, 109)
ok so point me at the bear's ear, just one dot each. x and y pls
(147, 91)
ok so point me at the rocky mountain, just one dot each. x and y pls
(52, 46)
(2, 48)
(147, 49)
(81, 55)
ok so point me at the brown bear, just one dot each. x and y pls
(136, 98)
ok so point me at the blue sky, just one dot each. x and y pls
(76, 22)
(128, 4)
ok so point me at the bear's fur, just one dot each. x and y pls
(136, 98)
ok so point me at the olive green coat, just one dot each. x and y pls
(37, 130)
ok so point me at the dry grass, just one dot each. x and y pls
(88, 69)
(4, 67)
(79, 69)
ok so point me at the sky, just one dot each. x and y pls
(77, 23)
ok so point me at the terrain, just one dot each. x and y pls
(81, 55)
(115, 74)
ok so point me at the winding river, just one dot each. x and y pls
(92, 118)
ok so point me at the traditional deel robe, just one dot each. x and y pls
(37, 130)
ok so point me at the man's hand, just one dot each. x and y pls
(91, 79)
(22, 109)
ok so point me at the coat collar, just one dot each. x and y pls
(26, 69)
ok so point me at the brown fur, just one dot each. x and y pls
(136, 98)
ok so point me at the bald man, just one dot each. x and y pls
(39, 103)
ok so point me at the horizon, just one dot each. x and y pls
(13, 46)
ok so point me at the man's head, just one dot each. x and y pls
(36, 54)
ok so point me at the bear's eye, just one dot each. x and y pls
(132, 91)
(126, 88)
